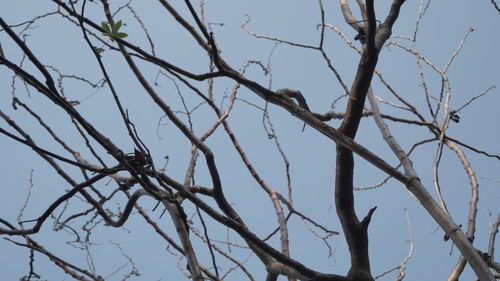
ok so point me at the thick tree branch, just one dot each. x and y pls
(356, 232)
(415, 187)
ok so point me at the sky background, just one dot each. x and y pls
(59, 44)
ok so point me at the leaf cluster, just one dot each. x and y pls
(113, 32)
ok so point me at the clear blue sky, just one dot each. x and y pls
(312, 156)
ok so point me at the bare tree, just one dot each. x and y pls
(108, 145)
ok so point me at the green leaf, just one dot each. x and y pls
(112, 32)
(105, 26)
(120, 35)
(117, 26)
(98, 50)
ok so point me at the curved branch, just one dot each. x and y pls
(59, 201)
(415, 187)
(349, 18)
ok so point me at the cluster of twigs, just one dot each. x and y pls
(137, 173)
